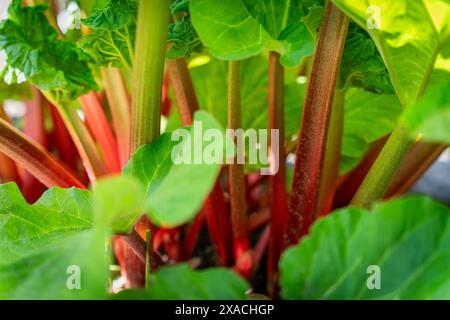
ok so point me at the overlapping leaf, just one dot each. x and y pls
(176, 191)
(407, 239)
(238, 29)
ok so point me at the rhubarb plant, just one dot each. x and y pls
(164, 145)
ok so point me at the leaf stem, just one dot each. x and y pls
(278, 181)
(417, 161)
(332, 155)
(151, 34)
(183, 88)
(34, 158)
(383, 170)
(8, 169)
(310, 153)
(101, 130)
(239, 219)
(120, 106)
(92, 161)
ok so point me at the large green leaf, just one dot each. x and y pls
(408, 239)
(430, 117)
(33, 52)
(406, 38)
(179, 282)
(118, 202)
(238, 29)
(40, 243)
(367, 118)
(176, 191)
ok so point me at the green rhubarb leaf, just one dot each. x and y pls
(112, 42)
(44, 244)
(177, 188)
(179, 6)
(312, 12)
(431, 115)
(118, 202)
(34, 53)
(182, 36)
(179, 282)
(238, 29)
(184, 39)
(406, 240)
(406, 38)
(362, 65)
(367, 118)
(112, 14)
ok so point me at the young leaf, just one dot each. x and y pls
(33, 52)
(114, 25)
(407, 240)
(184, 39)
(362, 65)
(238, 29)
(43, 244)
(179, 282)
(175, 192)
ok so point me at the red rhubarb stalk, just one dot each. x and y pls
(332, 155)
(277, 182)
(35, 158)
(314, 129)
(8, 169)
(101, 130)
(34, 128)
(239, 218)
(120, 106)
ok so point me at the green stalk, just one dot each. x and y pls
(385, 167)
(151, 35)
